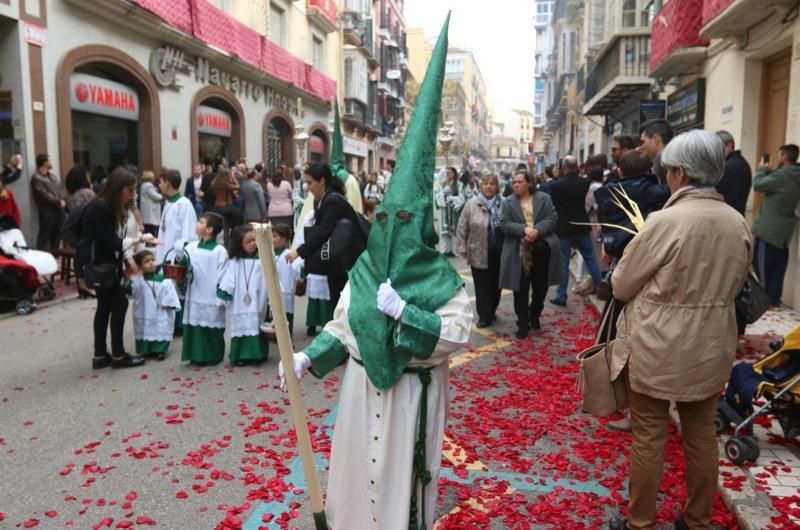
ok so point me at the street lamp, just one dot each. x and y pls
(300, 139)
(446, 136)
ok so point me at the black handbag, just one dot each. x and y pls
(752, 301)
(340, 252)
(100, 275)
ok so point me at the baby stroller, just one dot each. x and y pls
(24, 272)
(776, 379)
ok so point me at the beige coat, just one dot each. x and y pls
(472, 235)
(680, 276)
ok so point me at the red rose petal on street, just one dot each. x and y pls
(51, 513)
(30, 523)
(182, 495)
(131, 496)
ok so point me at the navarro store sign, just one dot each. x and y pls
(168, 63)
(96, 95)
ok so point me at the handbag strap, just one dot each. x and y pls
(605, 323)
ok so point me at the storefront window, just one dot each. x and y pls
(103, 141)
(279, 141)
(213, 147)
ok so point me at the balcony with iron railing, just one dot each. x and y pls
(675, 43)
(734, 18)
(620, 73)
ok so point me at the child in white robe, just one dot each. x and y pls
(319, 310)
(245, 293)
(177, 227)
(155, 301)
(288, 273)
(204, 313)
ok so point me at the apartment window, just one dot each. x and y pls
(648, 13)
(317, 58)
(277, 25)
(537, 110)
(628, 13)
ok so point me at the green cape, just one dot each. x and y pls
(404, 250)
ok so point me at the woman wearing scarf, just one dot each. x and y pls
(531, 261)
(479, 240)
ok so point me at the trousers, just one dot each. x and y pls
(650, 421)
(770, 263)
(535, 282)
(487, 292)
(112, 304)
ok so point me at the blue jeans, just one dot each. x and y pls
(770, 263)
(583, 242)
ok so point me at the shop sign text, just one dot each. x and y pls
(167, 62)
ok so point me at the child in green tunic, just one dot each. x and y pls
(245, 293)
(155, 301)
(204, 316)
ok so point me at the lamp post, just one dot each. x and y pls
(300, 139)
(446, 136)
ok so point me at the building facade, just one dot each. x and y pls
(474, 132)
(164, 83)
(543, 47)
(734, 65)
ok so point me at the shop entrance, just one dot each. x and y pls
(278, 144)
(214, 127)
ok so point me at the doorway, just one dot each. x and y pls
(774, 109)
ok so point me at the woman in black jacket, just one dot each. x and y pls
(103, 221)
(330, 205)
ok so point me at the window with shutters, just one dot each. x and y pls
(317, 58)
(277, 25)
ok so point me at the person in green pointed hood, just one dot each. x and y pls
(402, 313)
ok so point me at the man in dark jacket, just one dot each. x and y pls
(49, 197)
(738, 178)
(569, 198)
(12, 171)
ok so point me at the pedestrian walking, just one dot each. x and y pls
(676, 337)
(479, 240)
(594, 173)
(530, 261)
(569, 199)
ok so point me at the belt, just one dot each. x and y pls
(422, 476)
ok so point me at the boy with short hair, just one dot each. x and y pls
(204, 314)
(178, 219)
(155, 301)
(288, 273)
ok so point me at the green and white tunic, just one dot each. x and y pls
(319, 310)
(370, 479)
(155, 301)
(204, 313)
(245, 292)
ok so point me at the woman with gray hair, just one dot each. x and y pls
(676, 337)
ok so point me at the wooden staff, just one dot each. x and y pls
(266, 253)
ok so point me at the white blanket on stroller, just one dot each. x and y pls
(12, 243)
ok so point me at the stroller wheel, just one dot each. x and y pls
(721, 422)
(47, 293)
(737, 451)
(753, 450)
(25, 307)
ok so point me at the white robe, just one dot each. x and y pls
(208, 267)
(178, 220)
(152, 321)
(371, 471)
(288, 276)
(245, 318)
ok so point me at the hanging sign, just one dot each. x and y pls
(88, 93)
(213, 121)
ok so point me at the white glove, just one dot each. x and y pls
(301, 364)
(178, 248)
(389, 302)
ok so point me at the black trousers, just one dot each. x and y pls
(536, 282)
(487, 290)
(50, 221)
(335, 286)
(112, 304)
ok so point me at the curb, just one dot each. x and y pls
(753, 508)
(42, 305)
